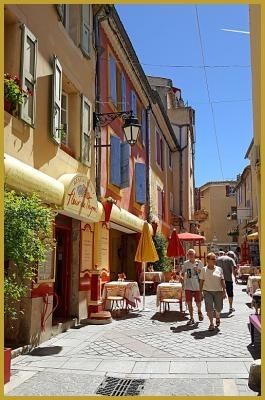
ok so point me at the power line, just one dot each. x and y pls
(208, 92)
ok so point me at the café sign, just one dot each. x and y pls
(80, 200)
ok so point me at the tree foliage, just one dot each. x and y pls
(164, 262)
(27, 238)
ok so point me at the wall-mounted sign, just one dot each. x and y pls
(46, 269)
(102, 246)
(80, 200)
(86, 255)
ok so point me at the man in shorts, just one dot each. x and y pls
(191, 271)
(228, 266)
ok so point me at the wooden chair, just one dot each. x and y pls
(166, 300)
(149, 287)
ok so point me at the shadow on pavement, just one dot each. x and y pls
(169, 316)
(254, 351)
(183, 328)
(249, 305)
(45, 351)
(203, 334)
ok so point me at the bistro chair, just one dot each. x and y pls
(166, 299)
(117, 300)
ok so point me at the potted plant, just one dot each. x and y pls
(164, 263)
(13, 92)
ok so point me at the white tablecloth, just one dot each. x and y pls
(254, 283)
(168, 290)
(128, 290)
(156, 276)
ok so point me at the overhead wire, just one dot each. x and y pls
(208, 93)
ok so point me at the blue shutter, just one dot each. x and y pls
(125, 157)
(112, 80)
(140, 183)
(143, 127)
(115, 161)
(123, 93)
(134, 103)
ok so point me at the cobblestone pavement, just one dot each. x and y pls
(171, 357)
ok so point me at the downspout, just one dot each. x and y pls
(148, 171)
(180, 174)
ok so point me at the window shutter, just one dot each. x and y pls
(61, 10)
(227, 190)
(133, 102)
(162, 153)
(159, 203)
(115, 161)
(56, 100)
(125, 158)
(123, 92)
(85, 131)
(118, 89)
(163, 204)
(85, 29)
(29, 50)
(158, 151)
(140, 183)
(143, 127)
(112, 80)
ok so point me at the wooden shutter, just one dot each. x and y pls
(162, 153)
(143, 127)
(118, 89)
(85, 131)
(158, 150)
(115, 161)
(133, 102)
(61, 10)
(56, 100)
(123, 92)
(112, 80)
(163, 204)
(159, 203)
(28, 67)
(125, 162)
(85, 29)
(140, 183)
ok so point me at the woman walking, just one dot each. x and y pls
(213, 286)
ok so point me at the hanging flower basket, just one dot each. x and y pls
(13, 92)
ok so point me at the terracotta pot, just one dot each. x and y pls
(7, 364)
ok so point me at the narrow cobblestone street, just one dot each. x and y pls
(171, 357)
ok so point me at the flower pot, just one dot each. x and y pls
(9, 107)
(7, 364)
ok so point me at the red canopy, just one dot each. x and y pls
(174, 248)
(190, 236)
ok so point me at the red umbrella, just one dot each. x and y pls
(174, 248)
(192, 237)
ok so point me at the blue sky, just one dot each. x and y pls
(167, 35)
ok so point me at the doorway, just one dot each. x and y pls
(62, 276)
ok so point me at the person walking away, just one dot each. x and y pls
(212, 284)
(228, 266)
(190, 273)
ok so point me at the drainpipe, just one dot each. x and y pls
(148, 149)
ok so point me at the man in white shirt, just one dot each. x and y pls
(191, 271)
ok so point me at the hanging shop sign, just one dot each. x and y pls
(80, 200)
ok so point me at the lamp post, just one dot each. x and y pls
(131, 125)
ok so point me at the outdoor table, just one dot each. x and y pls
(128, 290)
(156, 276)
(254, 283)
(168, 290)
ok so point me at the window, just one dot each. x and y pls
(123, 93)
(140, 183)
(28, 68)
(112, 80)
(143, 126)
(78, 23)
(169, 158)
(230, 191)
(64, 118)
(56, 100)
(133, 102)
(86, 29)
(159, 150)
(119, 162)
(86, 125)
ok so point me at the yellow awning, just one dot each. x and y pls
(253, 236)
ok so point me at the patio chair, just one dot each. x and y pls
(117, 301)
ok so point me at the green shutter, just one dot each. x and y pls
(86, 126)
(56, 100)
(85, 42)
(28, 67)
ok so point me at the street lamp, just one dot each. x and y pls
(131, 125)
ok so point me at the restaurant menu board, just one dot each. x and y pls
(46, 269)
(102, 259)
(87, 238)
